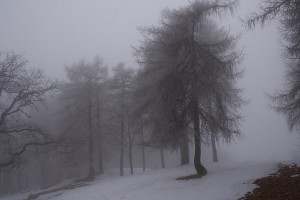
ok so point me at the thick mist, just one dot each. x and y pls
(54, 33)
(57, 35)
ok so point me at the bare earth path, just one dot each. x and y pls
(282, 185)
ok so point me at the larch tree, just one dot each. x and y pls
(80, 108)
(185, 71)
(121, 86)
(288, 14)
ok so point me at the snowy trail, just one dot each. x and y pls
(223, 182)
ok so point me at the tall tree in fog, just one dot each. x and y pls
(21, 91)
(101, 99)
(184, 71)
(80, 103)
(288, 13)
(121, 84)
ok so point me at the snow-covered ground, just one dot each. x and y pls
(224, 181)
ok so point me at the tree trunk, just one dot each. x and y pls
(44, 172)
(91, 174)
(162, 158)
(7, 181)
(130, 158)
(2, 182)
(184, 149)
(143, 147)
(196, 121)
(19, 178)
(197, 157)
(122, 130)
(122, 148)
(143, 150)
(213, 137)
(100, 161)
(213, 145)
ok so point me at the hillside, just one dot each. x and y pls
(225, 181)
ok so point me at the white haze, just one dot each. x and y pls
(52, 33)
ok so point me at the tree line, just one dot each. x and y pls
(183, 93)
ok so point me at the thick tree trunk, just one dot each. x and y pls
(214, 148)
(130, 158)
(162, 158)
(196, 121)
(91, 174)
(197, 157)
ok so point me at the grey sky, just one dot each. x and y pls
(52, 33)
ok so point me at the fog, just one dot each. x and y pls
(54, 33)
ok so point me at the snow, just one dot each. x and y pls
(296, 175)
(224, 181)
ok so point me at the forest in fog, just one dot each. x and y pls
(183, 96)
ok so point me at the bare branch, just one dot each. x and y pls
(18, 153)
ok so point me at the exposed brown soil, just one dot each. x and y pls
(282, 185)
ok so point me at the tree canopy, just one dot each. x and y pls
(288, 14)
(188, 74)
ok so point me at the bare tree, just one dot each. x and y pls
(288, 13)
(21, 91)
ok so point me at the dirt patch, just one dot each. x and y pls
(282, 185)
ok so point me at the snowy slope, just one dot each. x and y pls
(225, 181)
